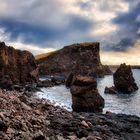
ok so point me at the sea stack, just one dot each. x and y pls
(16, 67)
(80, 58)
(85, 96)
(123, 79)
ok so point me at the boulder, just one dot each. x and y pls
(80, 58)
(110, 90)
(85, 96)
(124, 80)
(3, 126)
(19, 66)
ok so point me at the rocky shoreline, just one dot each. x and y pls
(24, 118)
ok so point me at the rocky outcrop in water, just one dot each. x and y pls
(24, 118)
(85, 96)
(53, 81)
(110, 90)
(16, 67)
(124, 80)
(81, 58)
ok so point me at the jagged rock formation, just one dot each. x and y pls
(124, 80)
(82, 58)
(85, 96)
(16, 66)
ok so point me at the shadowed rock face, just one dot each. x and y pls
(16, 66)
(85, 96)
(124, 80)
(82, 58)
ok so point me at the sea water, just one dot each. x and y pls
(117, 103)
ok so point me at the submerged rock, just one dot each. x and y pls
(124, 80)
(85, 96)
(16, 66)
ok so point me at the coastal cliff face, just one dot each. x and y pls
(16, 66)
(82, 58)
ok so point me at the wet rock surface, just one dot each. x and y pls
(54, 81)
(16, 67)
(69, 80)
(123, 79)
(85, 96)
(80, 58)
(24, 118)
(110, 90)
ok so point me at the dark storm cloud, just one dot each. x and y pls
(45, 23)
(128, 32)
(122, 45)
(34, 34)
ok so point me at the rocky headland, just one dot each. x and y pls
(80, 58)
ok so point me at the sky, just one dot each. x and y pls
(42, 26)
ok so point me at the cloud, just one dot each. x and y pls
(32, 48)
(128, 29)
(39, 35)
(130, 56)
(53, 24)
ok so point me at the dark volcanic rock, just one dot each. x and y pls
(16, 66)
(6, 82)
(51, 82)
(24, 118)
(85, 96)
(84, 81)
(69, 80)
(111, 90)
(3, 126)
(123, 79)
(82, 58)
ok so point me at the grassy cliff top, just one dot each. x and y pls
(84, 45)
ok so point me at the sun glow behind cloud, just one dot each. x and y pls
(131, 56)
(31, 48)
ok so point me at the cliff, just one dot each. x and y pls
(81, 58)
(16, 66)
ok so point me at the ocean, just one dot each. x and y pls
(117, 103)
